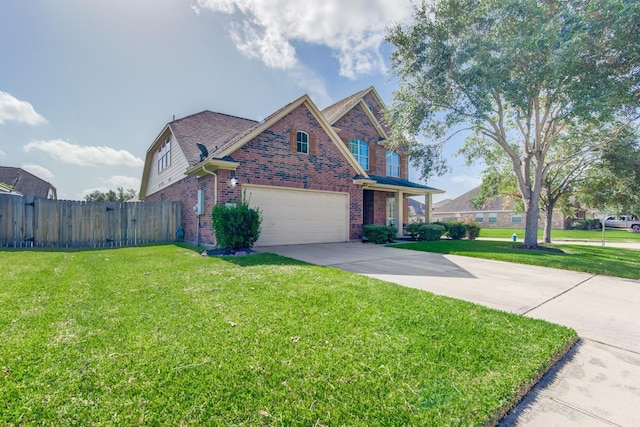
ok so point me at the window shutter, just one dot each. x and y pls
(312, 144)
(293, 136)
(372, 156)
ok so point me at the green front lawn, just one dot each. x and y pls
(589, 235)
(163, 336)
(589, 259)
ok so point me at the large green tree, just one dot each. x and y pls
(517, 72)
(570, 162)
(614, 186)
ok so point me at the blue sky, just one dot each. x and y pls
(86, 85)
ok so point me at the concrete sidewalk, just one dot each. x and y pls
(596, 384)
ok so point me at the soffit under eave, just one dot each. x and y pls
(208, 166)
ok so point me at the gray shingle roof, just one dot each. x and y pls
(463, 204)
(214, 130)
(333, 112)
(24, 182)
(399, 182)
(416, 206)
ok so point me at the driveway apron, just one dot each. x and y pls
(596, 384)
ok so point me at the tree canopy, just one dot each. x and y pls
(120, 195)
(521, 74)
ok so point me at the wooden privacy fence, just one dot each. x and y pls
(35, 222)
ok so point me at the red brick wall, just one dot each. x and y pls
(186, 191)
(356, 125)
(268, 160)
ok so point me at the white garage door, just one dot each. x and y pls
(294, 216)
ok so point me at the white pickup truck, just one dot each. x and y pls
(623, 221)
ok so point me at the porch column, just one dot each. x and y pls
(428, 202)
(399, 212)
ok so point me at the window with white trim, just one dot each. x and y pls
(493, 217)
(164, 155)
(516, 218)
(302, 142)
(393, 164)
(360, 151)
(479, 217)
(391, 211)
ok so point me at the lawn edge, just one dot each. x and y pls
(557, 358)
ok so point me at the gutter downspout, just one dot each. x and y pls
(215, 194)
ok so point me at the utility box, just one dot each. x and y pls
(199, 208)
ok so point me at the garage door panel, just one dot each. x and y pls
(295, 216)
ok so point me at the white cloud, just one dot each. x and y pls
(471, 181)
(85, 155)
(2, 153)
(353, 29)
(125, 182)
(19, 111)
(39, 171)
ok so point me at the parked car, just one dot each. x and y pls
(623, 221)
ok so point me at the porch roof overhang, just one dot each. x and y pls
(385, 183)
(212, 165)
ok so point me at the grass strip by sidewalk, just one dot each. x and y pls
(161, 335)
(584, 235)
(589, 259)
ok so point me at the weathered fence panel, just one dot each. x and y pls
(35, 222)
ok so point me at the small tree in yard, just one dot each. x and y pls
(237, 226)
(520, 74)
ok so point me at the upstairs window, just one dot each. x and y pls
(360, 151)
(393, 164)
(370, 107)
(302, 142)
(164, 155)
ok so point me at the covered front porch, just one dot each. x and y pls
(385, 201)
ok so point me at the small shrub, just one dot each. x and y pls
(430, 232)
(379, 233)
(236, 226)
(443, 224)
(593, 224)
(456, 230)
(579, 224)
(413, 229)
(472, 229)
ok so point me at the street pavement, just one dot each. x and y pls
(596, 384)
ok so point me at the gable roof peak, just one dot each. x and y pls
(334, 112)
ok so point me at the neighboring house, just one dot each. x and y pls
(416, 210)
(19, 181)
(317, 176)
(494, 214)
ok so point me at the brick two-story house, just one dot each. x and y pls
(317, 176)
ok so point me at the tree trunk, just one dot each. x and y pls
(548, 220)
(531, 209)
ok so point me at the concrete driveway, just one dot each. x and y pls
(596, 384)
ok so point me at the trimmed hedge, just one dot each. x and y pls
(473, 230)
(456, 230)
(430, 232)
(586, 224)
(237, 226)
(379, 233)
(425, 232)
